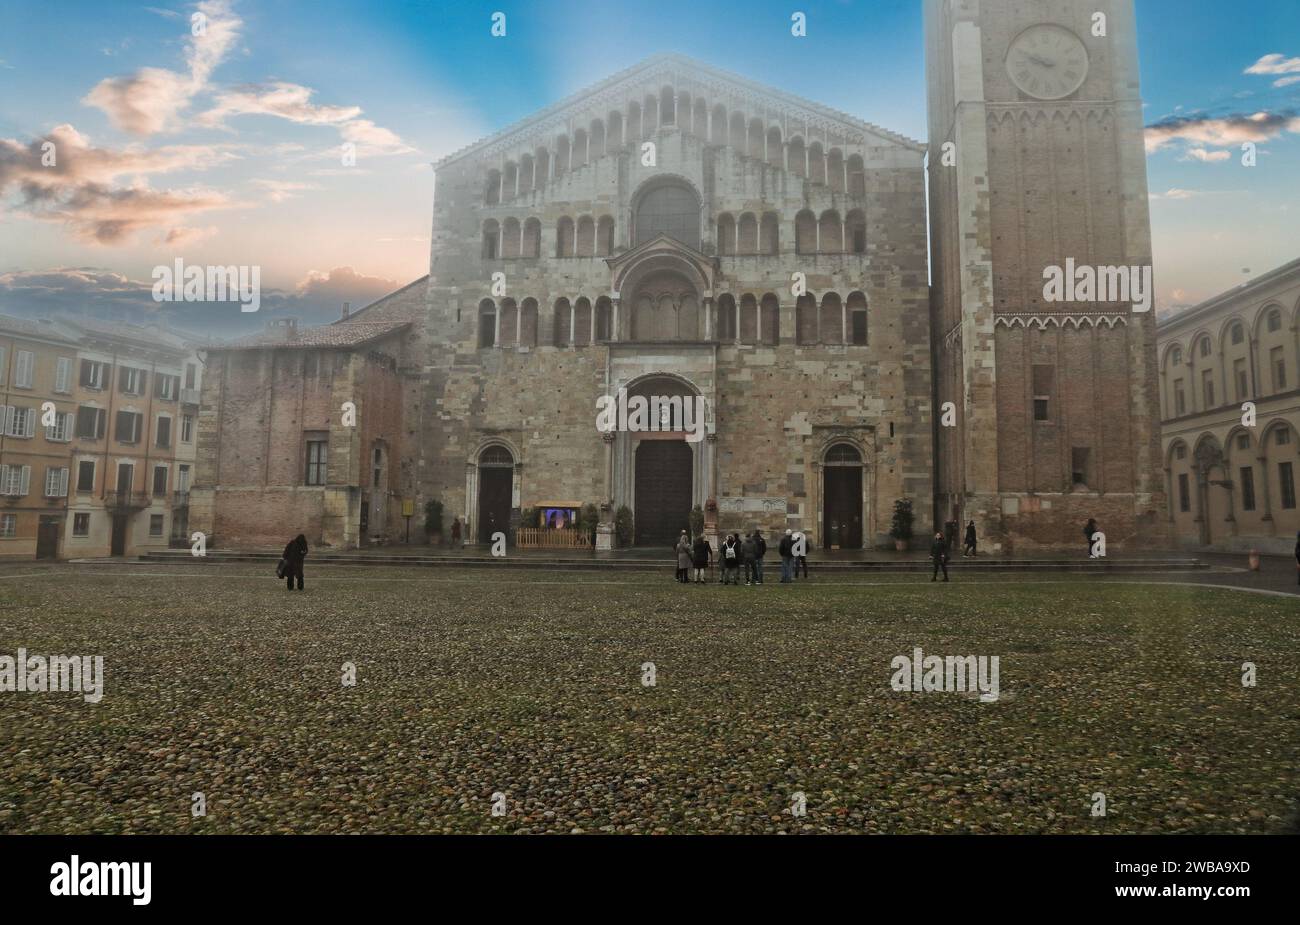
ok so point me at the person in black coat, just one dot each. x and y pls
(294, 553)
(701, 556)
(968, 547)
(939, 553)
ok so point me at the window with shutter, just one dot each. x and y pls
(25, 482)
(164, 431)
(63, 375)
(2, 367)
(24, 363)
(86, 475)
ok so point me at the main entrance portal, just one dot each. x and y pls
(663, 491)
(843, 490)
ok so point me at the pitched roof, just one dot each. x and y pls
(338, 334)
(124, 331)
(44, 329)
(1210, 305)
(667, 63)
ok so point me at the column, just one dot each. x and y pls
(501, 183)
(573, 318)
(613, 323)
(496, 326)
(533, 183)
(708, 318)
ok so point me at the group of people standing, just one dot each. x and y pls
(736, 553)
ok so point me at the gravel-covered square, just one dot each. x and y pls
(529, 684)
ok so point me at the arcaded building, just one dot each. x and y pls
(648, 234)
(1230, 416)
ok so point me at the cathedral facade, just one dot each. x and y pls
(680, 234)
(679, 231)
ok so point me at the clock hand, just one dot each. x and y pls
(1043, 61)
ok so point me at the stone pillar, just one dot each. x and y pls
(615, 334)
(708, 318)
(573, 313)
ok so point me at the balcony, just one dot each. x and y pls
(180, 499)
(126, 500)
(190, 397)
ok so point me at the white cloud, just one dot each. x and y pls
(1274, 64)
(1206, 156)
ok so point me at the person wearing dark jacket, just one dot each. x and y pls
(294, 553)
(939, 553)
(701, 554)
(786, 551)
(760, 550)
(749, 555)
(801, 559)
(968, 547)
(1089, 530)
(729, 558)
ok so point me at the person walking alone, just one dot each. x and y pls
(294, 554)
(701, 555)
(786, 551)
(968, 547)
(683, 558)
(455, 532)
(939, 553)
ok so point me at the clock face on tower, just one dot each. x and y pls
(1047, 62)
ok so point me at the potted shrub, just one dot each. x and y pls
(623, 525)
(432, 520)
(901, 526)
(588, 519)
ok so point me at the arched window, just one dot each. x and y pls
(1176, 357)
(491, 239)
(832, 233)
(526, 174)
(561, 155)
(509, 323)
(701, 128)
(832, 319)
(634, 120)
(756, 134)
(532, 243)
(835, 170)
(586, 237)
(747, 234)
(510, 238)
(856, 226)
(649, 116)
(685, 119)
(857, 318)
(605, 236)
(805, 320)
(604, 319)
(543, 166)
(769, 239)
(1205, 346)
(857, 177)
(816, 163)
(511, 181)
(582, 321)
(774, 156)
(667, 107)
(564, 237)
(492, 194)
(563, 323)
(615, 134)
(672, 209)
(771, 320)
(726, 318)
(496, 457)
(797, 158)
(528, 323)
(843, 454)
(719, 136)
(597, 139)
(805, 233)
(726, 234)
(487, 323)
(1274, 320)
(1237, 334)
(579, 155)
(748, 319)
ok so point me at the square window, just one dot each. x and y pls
(81, 524)
(155, 525)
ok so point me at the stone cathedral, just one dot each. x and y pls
(678, 231)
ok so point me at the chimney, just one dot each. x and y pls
(347, 310)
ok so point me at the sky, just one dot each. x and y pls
(227, 147)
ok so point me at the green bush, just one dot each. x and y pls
(623, 525)
(433, 516)
(588, 519)
(528, 517)
(901, 526)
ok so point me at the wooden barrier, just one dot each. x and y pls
(548, 538)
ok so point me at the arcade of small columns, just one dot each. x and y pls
(724, 320)
(759, 138)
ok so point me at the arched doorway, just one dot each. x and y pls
(496, 470)
(664, 463)
(842, 497)
(663, 491)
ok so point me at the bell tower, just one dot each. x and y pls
(1036, 164)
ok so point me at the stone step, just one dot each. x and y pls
(771, 565)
